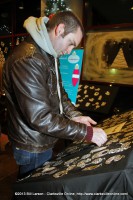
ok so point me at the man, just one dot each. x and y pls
(39, 109)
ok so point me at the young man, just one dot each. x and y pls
(39, 111)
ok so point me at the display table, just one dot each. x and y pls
(85, 171)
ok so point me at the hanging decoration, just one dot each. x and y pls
(53, 6)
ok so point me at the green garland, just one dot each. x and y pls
(53, 6)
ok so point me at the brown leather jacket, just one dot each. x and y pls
(29, 82)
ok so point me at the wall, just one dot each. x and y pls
(77, 7)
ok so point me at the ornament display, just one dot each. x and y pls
(98, 98)
(82, 157)
(5, 47)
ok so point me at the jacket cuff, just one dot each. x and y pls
(89, 135)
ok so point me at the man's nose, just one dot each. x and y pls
(69, 50)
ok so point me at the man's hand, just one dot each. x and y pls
(84, 120)
(99, 136)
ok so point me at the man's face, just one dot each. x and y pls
(64, 45)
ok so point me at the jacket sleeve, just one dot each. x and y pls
(32, 97)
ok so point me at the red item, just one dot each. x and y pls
(51, 15)
(75, 75)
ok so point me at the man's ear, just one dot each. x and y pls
(59, 29)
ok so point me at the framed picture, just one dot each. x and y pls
(108, 56)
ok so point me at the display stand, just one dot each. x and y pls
(85, 171)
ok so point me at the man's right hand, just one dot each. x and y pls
(99, 136)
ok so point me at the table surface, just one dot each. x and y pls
(85, 171)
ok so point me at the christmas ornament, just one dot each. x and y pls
(75, 75)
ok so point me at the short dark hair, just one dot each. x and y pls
(68, 18)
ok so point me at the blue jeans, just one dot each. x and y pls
(28, 161)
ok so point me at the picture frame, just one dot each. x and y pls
(108, 56)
